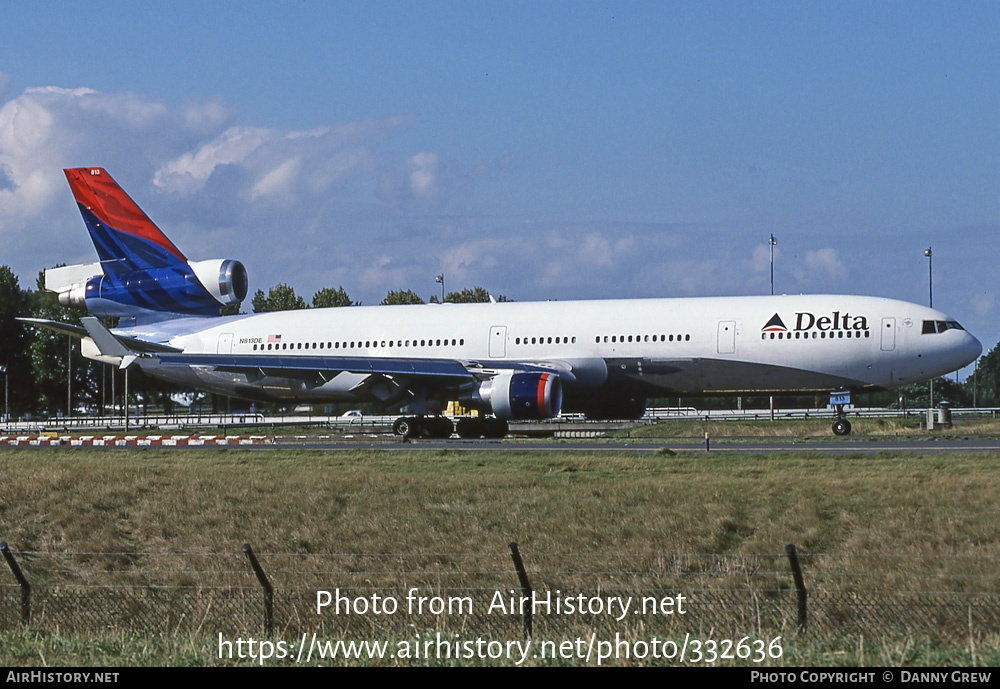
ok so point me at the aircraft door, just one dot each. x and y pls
(727, 337)
(888, 334)
(498, 341)
(225, 345)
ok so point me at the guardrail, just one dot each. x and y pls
(140, 421)
(664, 413)
(381, 423)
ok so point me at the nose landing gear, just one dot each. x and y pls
(841, 426)
(838, 400)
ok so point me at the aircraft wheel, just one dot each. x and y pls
(441, 427)
(841, 427)
(404, 426)
(495, 428)
(470, 429)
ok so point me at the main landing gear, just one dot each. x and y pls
(474, 427)
(423, 427)
(440, 427)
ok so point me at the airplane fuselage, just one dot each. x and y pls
(621, 349)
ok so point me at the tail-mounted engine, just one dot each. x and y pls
(518, 395)
(199, 288)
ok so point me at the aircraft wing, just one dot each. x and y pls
(390, 366)
(325, 364)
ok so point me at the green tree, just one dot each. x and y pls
(14, 338)
(328, 296)
(986, 379)
(281, 297)
(51, 353)
(476, 295)
(400, 296)
(917, 395)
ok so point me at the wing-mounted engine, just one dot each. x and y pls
(517, 395)
(199, 288)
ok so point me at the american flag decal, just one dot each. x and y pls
(271, 339)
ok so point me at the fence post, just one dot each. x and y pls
(264, 584)
(526, 592)
(22, 580)
(800, 585)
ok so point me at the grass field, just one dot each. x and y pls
(894, 527)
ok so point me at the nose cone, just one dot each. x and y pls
(971, 349)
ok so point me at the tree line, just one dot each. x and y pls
(46, 375)
(282, 297)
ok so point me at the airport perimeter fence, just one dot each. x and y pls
(468, 595)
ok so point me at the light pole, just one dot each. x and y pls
(69, 376)
(440, 279)
(930, 299)
(930, 276)
(772, 242)
(6, 399)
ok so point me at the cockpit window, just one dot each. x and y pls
(932, 327)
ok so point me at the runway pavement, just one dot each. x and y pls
(854, 445)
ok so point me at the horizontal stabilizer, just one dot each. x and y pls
(133, 344)
(60, 327)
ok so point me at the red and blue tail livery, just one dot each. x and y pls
(141, 273)
(125, 238)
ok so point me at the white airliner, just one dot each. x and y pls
(509, 360)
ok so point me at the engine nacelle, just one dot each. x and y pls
(518, 395)
(224, 278)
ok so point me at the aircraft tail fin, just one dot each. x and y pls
(124, 236)
(142, 274)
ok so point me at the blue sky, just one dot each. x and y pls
(541, 150)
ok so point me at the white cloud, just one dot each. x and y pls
(194, 170)
(423, 178)
(826, 262)
(206, 118)
(293, 162)
(761, 260)
(278, 181)
(46, 129)
(188, 173)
